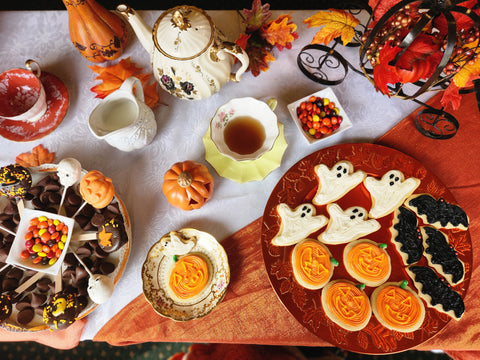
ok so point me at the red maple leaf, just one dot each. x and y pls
(451, 97)
(257, 16)
(462, 22)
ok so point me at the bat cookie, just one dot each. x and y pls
(406, 235)
(437, 212)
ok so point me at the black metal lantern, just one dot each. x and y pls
(397, 26)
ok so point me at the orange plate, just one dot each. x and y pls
(298, 185)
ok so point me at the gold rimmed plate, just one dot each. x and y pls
(157, 269)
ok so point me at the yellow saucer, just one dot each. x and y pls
(247, 170)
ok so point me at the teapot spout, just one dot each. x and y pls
(141, 29)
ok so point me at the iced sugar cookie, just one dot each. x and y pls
(436, 292)
(346, 305)
(397, 307)
(312, 264)
(296, 225)
(367, 262)
(437, 212)
(335, 182)
(441, 255)
(406, 235)
(188, 277)
(389, 192)
(348, 225)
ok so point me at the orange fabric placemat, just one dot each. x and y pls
(251, 312)
(59, 339)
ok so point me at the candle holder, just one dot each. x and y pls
(386, 41)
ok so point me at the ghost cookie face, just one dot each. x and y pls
(389, 192)
(348, 225)
(336, 182)
(297, 224)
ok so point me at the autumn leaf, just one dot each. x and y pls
(336, 23)
(257, 16)
(151, 95)
(467, 73)
(280, 32)
(38, 156)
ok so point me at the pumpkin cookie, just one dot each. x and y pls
(312, 264)
(297, 224)
(346, 305)
(438, 213)
(442, 256)
(389, 192)
(189, 276)
(348, 225)
(436, 292)
(367, 262)
(397, 307)
(406, 235)
(336, 182)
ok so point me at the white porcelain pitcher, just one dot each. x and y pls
(123, 119)
(189, 55)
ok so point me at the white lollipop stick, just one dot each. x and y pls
(92, 235)
(79, 209)
(7, 230)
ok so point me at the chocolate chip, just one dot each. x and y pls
(44, 198)
(107, 268)
(22, 304)
(74, 199)
(100, 253)
(54, 198)
(82, 220)
(52, 186)
(16, 219)
(37, 203)
(43, 284)
(38, 299)
(10, 208)
(97, 220)
(9, 224)
(114, 208)
(84, 251)
(9, 284)
(15, 273)
(25, 316)
(70, 259)
(35, 190)
(80, 273)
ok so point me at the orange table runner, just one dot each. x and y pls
(251, 312)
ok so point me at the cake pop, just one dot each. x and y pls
(69, 171)
(100, 287)
(5, 307)
(15, 181)
(63, 309)
(112, 235)
(96, 190)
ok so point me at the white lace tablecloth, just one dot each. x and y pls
(138, 175)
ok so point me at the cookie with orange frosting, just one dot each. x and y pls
(189, 276)
(97, 189)
(312, 264)
(367, 262)
(346, 305)
(397, 307)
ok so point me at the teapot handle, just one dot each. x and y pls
(128, 86)
(240, 54)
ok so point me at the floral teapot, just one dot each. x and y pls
(189, 56)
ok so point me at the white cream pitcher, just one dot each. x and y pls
(189, 55)
(123, 119)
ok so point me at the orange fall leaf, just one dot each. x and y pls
(336, 23)
(38, 156)
(280, 32)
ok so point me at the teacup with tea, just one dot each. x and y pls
(245, 128)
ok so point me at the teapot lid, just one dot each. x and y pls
(183, 32)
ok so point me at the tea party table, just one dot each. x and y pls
(250, 311)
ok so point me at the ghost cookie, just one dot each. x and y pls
(397, 307)
(389, 192)
(346, 305)
(312, 264)
(336, 182)
(367, 262)
(348, 225)
(442, 256)
(436, 292)
(296, 225)
(406, 235)
(437, 212)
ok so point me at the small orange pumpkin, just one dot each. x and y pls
(188, 185)
(97, 33)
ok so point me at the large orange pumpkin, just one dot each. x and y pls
(97, 33)
(188, 185)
